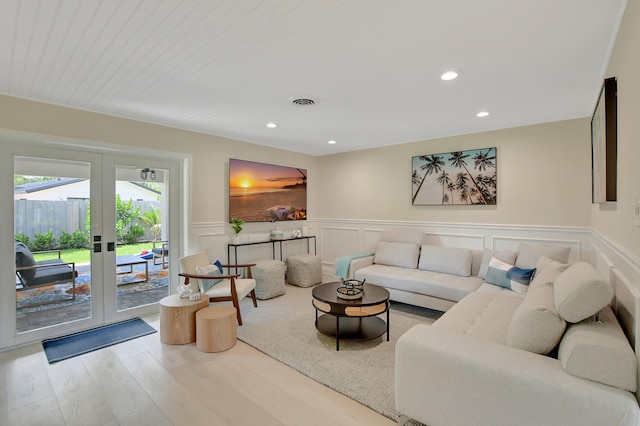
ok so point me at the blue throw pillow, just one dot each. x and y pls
(504, 275)
(213, 270)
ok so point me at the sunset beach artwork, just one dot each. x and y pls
(260, 192)
(455, 178)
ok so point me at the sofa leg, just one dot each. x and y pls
(407, 421)
(402, 420)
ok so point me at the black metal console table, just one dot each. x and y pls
(273, 247)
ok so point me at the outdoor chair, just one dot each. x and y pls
(31, 274)
(161, 254)
(202, 276)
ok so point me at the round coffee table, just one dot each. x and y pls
(351, 319)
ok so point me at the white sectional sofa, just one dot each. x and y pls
(498, 356)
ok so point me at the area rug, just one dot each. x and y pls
(157, 278)
(76, 344)
(283, 328)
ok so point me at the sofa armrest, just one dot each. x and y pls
(357, 264)
(445, 378)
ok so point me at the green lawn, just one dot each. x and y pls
(83, 255)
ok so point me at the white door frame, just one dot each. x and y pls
(37, 145)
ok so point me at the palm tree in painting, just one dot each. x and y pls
(458, 160)
(462, 185)
(433, 165)
(482, 160)
(443, 179)
(451, 187)
(445, 198)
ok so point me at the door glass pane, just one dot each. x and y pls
(142, 251)
(51, 229)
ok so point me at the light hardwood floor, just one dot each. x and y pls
(144, 382)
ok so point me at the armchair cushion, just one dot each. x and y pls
(213, 270)
(25, 258)
(223, 288)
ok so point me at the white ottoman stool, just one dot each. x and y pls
(269, 276)
(304, 270)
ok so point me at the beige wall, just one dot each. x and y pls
(616, 220)
(544, 178)
(210, 154)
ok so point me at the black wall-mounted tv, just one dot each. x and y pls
(260, 192)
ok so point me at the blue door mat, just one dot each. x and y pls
(87, 341)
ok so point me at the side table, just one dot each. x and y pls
(216, 328)
(178, 319)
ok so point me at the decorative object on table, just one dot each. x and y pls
(455, 178)
(277, 234)
(262, 192)
(297, 233)
(184, 291)
(604, 135)
(236, 225)
(351, 289)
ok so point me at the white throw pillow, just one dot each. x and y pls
(447, 260)
(599, 352)
(528, 254)
(536, 325)
(547, 270)
(404, 255)
(506, 256)
(580, 292)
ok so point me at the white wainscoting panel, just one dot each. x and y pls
(342, 237)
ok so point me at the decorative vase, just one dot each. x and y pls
(277, 234)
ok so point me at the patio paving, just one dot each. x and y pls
(57, 315)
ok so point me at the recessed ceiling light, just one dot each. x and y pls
(450, 75)
(272, 125)
(331, 142)
(482, 114)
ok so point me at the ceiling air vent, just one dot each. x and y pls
(303, 102)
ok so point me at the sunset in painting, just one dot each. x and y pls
(260, 192)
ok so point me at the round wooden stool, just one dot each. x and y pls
(178, 319)
(216, 328)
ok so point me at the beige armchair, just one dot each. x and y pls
(229, 288)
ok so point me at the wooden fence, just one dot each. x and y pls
(33, 217)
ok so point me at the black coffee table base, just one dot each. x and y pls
(351, 319)
(351, 328)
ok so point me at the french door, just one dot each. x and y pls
(106, 217)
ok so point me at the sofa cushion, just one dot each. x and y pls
(404, 255)
(482, 315)
(434, 284)
(547, 270)
(536, 325)
(599, 352)
(580, 292)
(448, 260)
(507, 276)
(528, 254)
(506, 256)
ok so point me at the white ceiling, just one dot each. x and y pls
(227, 67)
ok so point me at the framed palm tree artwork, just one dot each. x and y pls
(455, 178)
